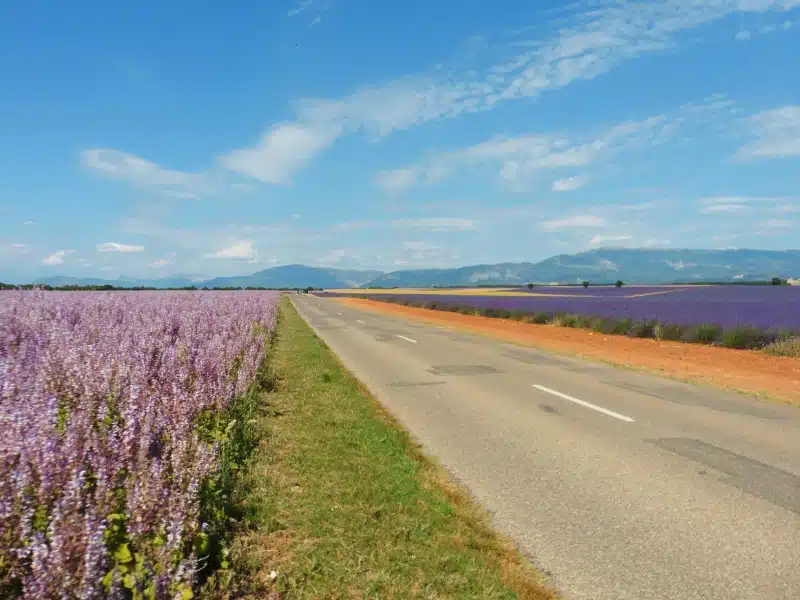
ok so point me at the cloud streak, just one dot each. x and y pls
(590, 41)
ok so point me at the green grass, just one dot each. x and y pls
(340, 504)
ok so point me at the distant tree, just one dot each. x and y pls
(586, 284)
(530, 286)
(777, 281)
(619, 283)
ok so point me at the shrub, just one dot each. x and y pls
(530, 286)
(786, 347)
(703, 334)
(585, 284)
(668, 331)
(542, 318)
(746, 338)
(619, 283)
(777, 281)
(617, 327)
(597, 324)
(642, 329)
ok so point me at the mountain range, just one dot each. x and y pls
(604, 265)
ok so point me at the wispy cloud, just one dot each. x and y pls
(599, 240)
(574, 222)
(436, 224)
(725, 208)
(517, 159)
(140, 172)
(242, 250)
(29, 223)
(590, 40)
(56, 258)
(117, 247)
(777, 134)
(158, 264)
(569, 184)
(281, 152)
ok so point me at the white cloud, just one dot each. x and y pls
(301, 7)
(743, 36)
(243, 249)
(592, 40)
(569, 184)
(334, 256)
(725, 208)
(604, 239)
(518, 158)
(281, 152)
(116, 164)
(29, 223)
(777, 133)
(577, 221)
(117, 247)
(162, 262)
(396, 180)
(778, 223)
(57, 257)
(419, 246)
(436, 224)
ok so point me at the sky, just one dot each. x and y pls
(146, 139)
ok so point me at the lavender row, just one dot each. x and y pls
(101, 461)
(667, 308)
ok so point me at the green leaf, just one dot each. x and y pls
(123, 554)
(129, 581)
(187, 593)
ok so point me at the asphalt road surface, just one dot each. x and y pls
(617, 484)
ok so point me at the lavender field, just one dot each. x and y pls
(115, 413)
(766, 307)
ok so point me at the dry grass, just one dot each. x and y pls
(340, 502)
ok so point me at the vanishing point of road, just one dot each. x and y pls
(617, 484)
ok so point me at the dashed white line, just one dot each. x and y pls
(402, 337)
(585, 404)
(362, 322)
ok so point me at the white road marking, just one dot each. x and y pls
(599, 409)
(402, 337)
(362, 322)
(340, 314)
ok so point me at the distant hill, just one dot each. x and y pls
(291, 276)
(598, 266)
(610, 264)
(287, 276)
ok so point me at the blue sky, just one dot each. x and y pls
(152, 138)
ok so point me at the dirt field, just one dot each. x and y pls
(747, 371)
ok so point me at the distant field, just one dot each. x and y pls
(770, 308)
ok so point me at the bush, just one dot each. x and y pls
(703, 334)
(786, 347)
(619, 283)
(617, 327)
(642, 329)
(597, 324)
(542, 318)
(668, 331)
(777, 281)
(585, 284)
(746, 338)
(530, 286)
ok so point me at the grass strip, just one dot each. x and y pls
(339, 503)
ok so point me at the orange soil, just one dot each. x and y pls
(747, 371)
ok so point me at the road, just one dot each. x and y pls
(618, 484)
